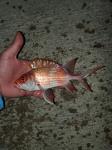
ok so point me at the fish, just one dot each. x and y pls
(45, 75)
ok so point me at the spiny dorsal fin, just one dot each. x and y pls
(42, 62)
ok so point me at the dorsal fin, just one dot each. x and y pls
(70, 65)
(42, 62)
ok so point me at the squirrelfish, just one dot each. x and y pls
(47, 74)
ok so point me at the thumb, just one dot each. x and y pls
(15, 46)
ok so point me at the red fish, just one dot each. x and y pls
(47, 74)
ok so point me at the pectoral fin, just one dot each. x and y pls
(49, 96)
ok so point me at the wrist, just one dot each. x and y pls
(2, 102)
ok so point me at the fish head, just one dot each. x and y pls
(21, 80)
(25, 83)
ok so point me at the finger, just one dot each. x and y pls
(25, 93)
(38, 93)
(26, 66)
(16, 45)
(30, 93)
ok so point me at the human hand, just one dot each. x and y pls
(11, 69)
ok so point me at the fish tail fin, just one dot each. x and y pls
(94, 70)
(83, 78)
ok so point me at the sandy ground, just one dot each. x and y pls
(60, 30)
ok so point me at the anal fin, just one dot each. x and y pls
(70, 87)
(86, 85)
